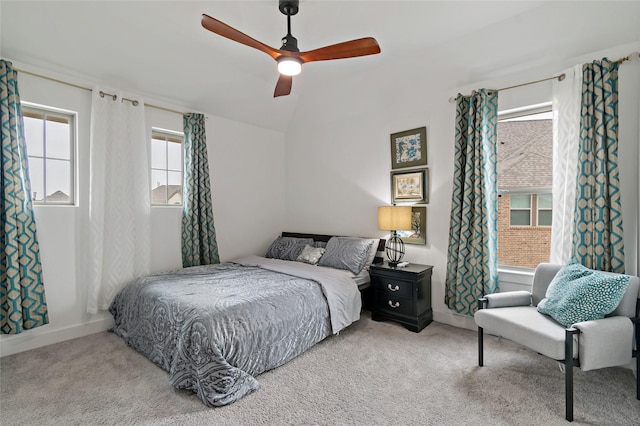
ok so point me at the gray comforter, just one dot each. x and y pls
(214, 328)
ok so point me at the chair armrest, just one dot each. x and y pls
(606, 342)
(506, 299)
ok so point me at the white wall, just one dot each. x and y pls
(247, 174)
(338, 154)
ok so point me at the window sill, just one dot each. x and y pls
(516, 275)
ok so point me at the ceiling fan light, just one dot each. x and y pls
(289, 66)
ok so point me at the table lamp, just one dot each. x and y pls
(394, 218)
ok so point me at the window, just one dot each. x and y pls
(544, 209)
(520, 210)
(166, 167)
(522, 206)
(525, 162)
(50, 138)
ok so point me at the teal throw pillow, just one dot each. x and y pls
(578, 294)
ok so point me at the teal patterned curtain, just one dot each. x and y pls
(199, 246)
(22, 300)
(472, 258)
(597, 240)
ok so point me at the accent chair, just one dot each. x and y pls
(591, 344)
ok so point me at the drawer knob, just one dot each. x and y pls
(393, 288)
(394, 304)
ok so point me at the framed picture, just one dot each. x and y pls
(410, 186)
(418, 232)
(409, 148)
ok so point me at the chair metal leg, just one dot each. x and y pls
(638, 377)
(482, 304)
(568, 366)
(636, 353)
(480, 346)
(568, 386)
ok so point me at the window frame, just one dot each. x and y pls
(169, 136)
(33, 110)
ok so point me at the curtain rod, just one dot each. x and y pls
(114, 97)
(559, 77)
(102, 94)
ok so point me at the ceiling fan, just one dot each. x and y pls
(289, 57)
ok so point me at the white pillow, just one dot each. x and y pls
(311, 255)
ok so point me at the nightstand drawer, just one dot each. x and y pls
(394, 288)
(396, 305)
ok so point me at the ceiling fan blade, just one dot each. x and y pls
(231, 33)
(283, 86)
(347, 49)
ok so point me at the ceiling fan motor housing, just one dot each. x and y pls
(290, 43)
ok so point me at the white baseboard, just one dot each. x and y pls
(36, 338)
(456, 320)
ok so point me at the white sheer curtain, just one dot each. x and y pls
(636, 269)
(566, 135)
(119, 211)
(629, 158)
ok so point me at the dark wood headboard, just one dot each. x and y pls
(321, 237)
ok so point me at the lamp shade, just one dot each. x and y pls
(394, 218)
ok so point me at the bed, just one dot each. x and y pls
(214, 328)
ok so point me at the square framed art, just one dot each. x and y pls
(418, 232)
(409, 148)
(410, 186)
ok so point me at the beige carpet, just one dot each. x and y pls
(371, 374)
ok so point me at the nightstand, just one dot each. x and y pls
(402, 294)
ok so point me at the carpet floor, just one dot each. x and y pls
(372, 373)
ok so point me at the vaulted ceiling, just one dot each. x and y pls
(159, 50)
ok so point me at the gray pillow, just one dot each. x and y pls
(347, 253)
(372, 254)
(287, 248)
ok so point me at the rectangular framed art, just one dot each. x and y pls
(409, 148)
(410, 186)
(418, 232)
